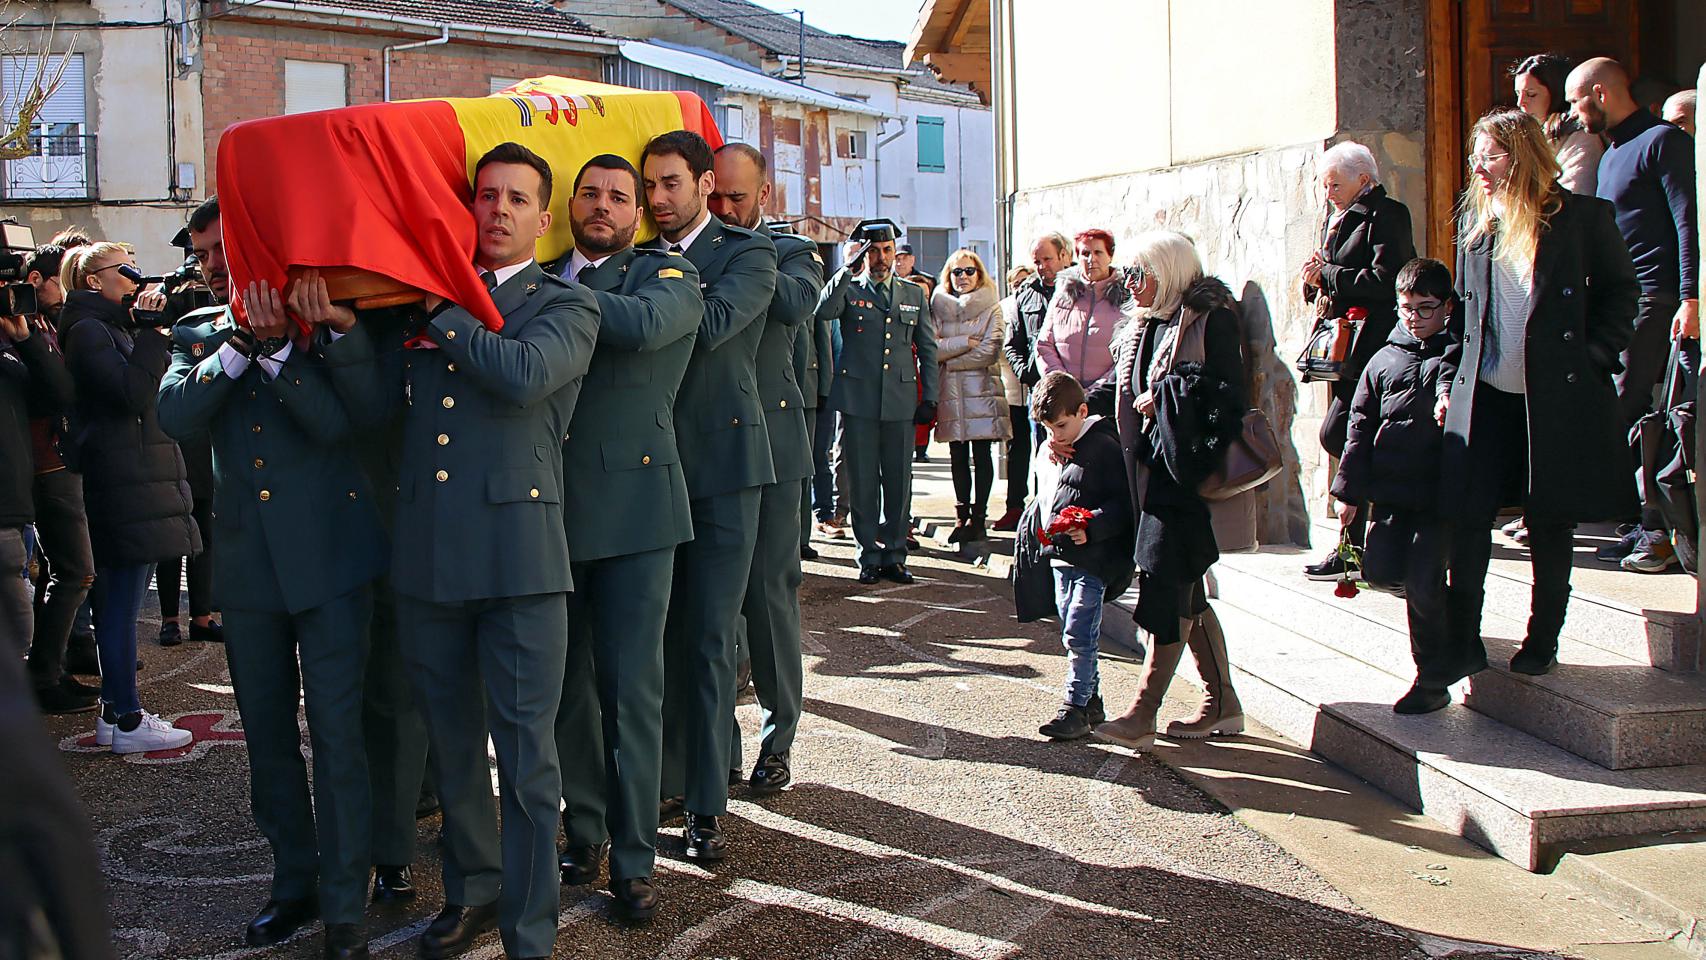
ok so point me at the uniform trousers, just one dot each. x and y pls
(879, 477)
(396, 737)
(610, 724)
(711, 572)
(325, 843)
(17, 611)
(497, 664)
(771, 613)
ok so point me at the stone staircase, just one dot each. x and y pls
(1612, 744)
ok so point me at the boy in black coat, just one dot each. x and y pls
(1392, 462)
(1082, 466)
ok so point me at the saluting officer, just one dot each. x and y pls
(771, 610)
(882, 321)
(480, 563)
(626, 510)
(300, 546)
(725, 453)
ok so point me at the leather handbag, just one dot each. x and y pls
(1252, 459)
(1329, 347)
(1663, 442)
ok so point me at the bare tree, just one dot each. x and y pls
(23, 99)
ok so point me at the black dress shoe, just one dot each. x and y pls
(1534, 663)
(868, 575)
(80, 655)
(456, 928)
(59, 700)
(670, 808)
(636, 899)
(212, 633)
(171, 634)
(1422, 700)
(580, 864)
(71, 684)
(391, 884)
(771, 774)
(808, 552)
(345, 941)
(897, 573)
(278, 920)
(426, 805)
(704, 838)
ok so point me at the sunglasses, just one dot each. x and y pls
(963, 272)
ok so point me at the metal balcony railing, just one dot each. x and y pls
(61, 166)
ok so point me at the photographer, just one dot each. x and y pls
(134, 482)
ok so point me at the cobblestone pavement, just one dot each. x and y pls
(928, 818)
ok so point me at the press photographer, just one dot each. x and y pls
(134, 482)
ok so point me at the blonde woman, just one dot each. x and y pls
(135, 486)
(1531, 418)
(973, 412)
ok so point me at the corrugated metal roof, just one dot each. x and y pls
(736, 79)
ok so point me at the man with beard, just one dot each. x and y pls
(626, 510)
(771, 610)
(302, 545)
(725, 453)
(1051, 254)
(479, 562)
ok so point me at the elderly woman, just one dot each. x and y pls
(1367, 240)
(1539, 84)
(134, 483)
(1531, 419)
(1089, 308)
(973, 413)
(1180, 373)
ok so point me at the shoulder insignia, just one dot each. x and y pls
(532, 287)
(717, 239)
(817, 256)
(197, 349)
(670, 273)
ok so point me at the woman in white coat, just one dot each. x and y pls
(972, 411)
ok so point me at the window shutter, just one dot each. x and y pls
(309, 85)
(932, 154)
(67, 103)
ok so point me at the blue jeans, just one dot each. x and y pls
(117, 597)
(823, 474)
(1078, 596)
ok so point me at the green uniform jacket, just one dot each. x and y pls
(480, 487)
(296, 522)
(814, 360)
(626, 492)
(876, 378)
(722, 440)
(799, 280)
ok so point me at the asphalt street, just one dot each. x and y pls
(928, 818)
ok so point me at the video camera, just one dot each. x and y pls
(17, 245)
(184, 288)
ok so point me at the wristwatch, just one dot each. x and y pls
(242, 340)
(271, 346)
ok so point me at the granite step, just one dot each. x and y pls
(1617, 712)
(1508, 791)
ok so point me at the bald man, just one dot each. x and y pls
(1647, 173)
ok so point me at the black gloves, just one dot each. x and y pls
(925, 413)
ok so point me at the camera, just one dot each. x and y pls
(17, 245)
(185, 293)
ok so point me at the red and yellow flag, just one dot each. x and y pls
(387, 187)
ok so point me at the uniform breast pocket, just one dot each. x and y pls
(651, 448)
(521, 486)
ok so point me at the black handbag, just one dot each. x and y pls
(1664, 444)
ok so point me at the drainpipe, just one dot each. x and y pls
(877, 162)
(443, 37)
(998, 103)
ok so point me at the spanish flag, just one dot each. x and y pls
(386, 188)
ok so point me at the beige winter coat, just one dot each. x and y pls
(1010, 382)
(973, 405)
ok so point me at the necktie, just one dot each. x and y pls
(883, 302)
(490, 279)
(676, 248)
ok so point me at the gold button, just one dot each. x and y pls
(646, 459)
(298, 381)
(443, 476)
(885, 366)
(534, 493)
(784, 403)
(266, 495)
(443, 439)
(256, 428)
(885, 351)
(208, 378)
(735, 422)
(451, 367)
(888, 336)
(889, 320)
(450, 334)
(251, 392)
(449, 402)
(259, 463)
(352, 494)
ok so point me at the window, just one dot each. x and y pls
(932, 154)
(500, 84)
(309, 85)
(931, 247)
(851, 144)
(61, 163)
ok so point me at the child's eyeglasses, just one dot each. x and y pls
(1421, 311)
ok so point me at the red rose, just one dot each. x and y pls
(1346, 589)
(1355, 314)
(1072, 518)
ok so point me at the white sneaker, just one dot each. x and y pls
(103, 732)
(151, 734)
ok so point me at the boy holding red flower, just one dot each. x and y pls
(1087, 534)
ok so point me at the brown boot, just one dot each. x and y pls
(1221, 713)
(1136, 727)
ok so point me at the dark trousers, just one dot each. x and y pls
(771, 613)
(494, 664)
(610, 724)
(1412, 548)
(320, 845)
(806, 484)
(823, 475)
(395, 734)
(1018, 458)
(973, 467)
(711, 573)
(168, 576)
(117, 596)
(879, 475)
(17, 611)
(1498, 475)
(63, 531)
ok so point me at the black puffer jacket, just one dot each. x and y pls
(1095, 479)
(1392, 450)
(33, 383)
(134, 482)
(1031, 300)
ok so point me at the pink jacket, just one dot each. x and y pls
(1078, 332)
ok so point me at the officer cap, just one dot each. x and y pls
(876, 231)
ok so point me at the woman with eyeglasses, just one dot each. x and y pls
(1531, 419)
(1539, 82)
(972, 413)
(134, 482)
(1091, 306)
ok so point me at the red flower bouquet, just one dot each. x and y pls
(1356, 314)
(1068, 520)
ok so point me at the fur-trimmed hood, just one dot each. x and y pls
(1208, 293)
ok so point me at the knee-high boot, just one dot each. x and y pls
(1136, 727)
(1221, 713)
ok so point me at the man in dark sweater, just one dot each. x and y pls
(1051, 254)
(1648, 175)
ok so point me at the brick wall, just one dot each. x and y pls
(243, 70)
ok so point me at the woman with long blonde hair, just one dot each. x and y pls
(1530, 414)
(973, 412)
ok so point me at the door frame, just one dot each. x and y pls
(1445, 125)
